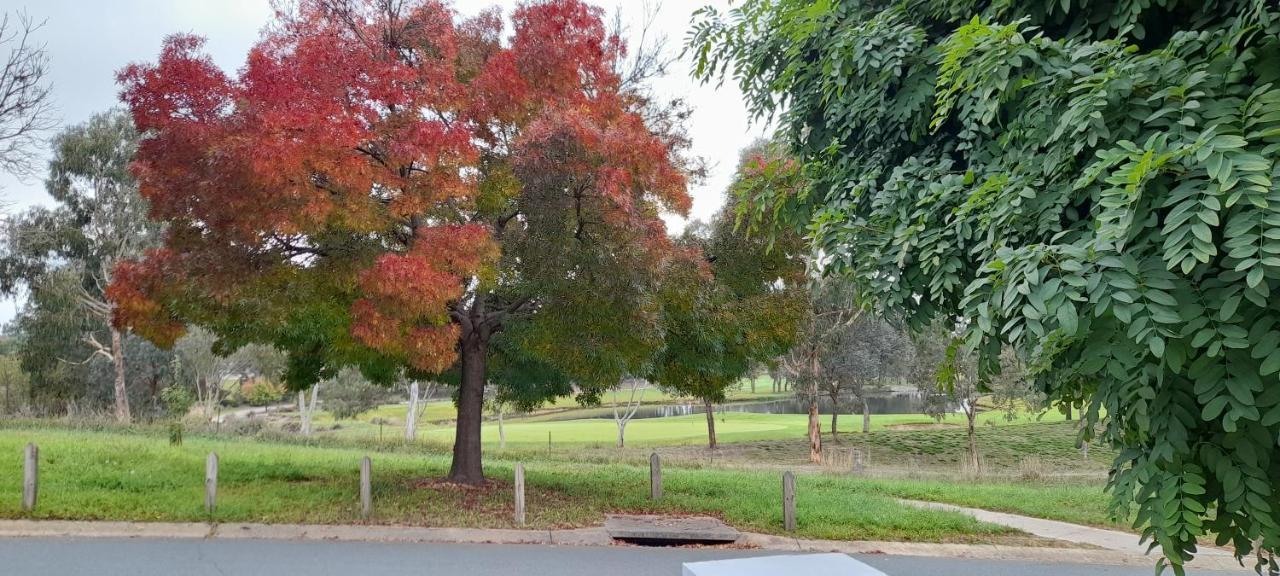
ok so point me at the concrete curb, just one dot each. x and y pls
(576, 537)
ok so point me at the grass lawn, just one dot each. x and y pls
(731, 427)
(1040, 448)
(1066, 501)
(137, 475)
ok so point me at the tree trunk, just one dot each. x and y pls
(835, 413)
(304, 415)
(815, 433)
(622, 429)
(304, 422)
(753, 384)
(306, 411)
(411, 417)
(711, 425)
(122, 394)
(202, 396)
(866, 416)
(1068, 412)
(466, 467)
(973, 439)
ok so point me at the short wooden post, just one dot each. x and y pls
(366, 487)
(30, 477)
(519, 494)
(211, 483)
(655, 476)
(789, 501)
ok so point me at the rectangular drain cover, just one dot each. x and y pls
(669, 529)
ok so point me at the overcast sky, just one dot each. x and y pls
(89, 40)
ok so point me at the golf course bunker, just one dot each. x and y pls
(669, 530)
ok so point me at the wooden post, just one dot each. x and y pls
(30, 477)
(789, 501)
(655, 476)
(520, 494)
(366, 488)
(211, 483)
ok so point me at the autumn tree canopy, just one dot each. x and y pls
(388, 186)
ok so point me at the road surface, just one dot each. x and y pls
(158, 557)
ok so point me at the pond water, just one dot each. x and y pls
(885, 404)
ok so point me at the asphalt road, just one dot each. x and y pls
(150, 557)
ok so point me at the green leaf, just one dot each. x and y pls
(1156, 345)
(1255, 277)
(1228, 308)
(1214, 408)
(1067, 318)
(1271, 365)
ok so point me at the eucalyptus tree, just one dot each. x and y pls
(808, 364)
(1090, 183)
(946, 376)
(419, 395)
(863, 356)
(624, 411)
(99, 219)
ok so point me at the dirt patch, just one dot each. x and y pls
(490, 505)
(442, 485)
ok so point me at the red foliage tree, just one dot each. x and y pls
(387, 186)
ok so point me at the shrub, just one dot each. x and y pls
(177, 400)
(261, 392)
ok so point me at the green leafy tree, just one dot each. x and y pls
(1090, 183)
(728, 302)
(177, 400)
(48, 329)
(13, 384)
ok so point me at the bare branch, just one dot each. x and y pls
(26, 107)
(648, 57)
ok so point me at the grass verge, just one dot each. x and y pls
(137, 476)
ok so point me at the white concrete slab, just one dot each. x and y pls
(824, 564)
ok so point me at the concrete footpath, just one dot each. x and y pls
(1106, 539)
(579, 537)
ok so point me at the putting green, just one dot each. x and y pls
(674, 430)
